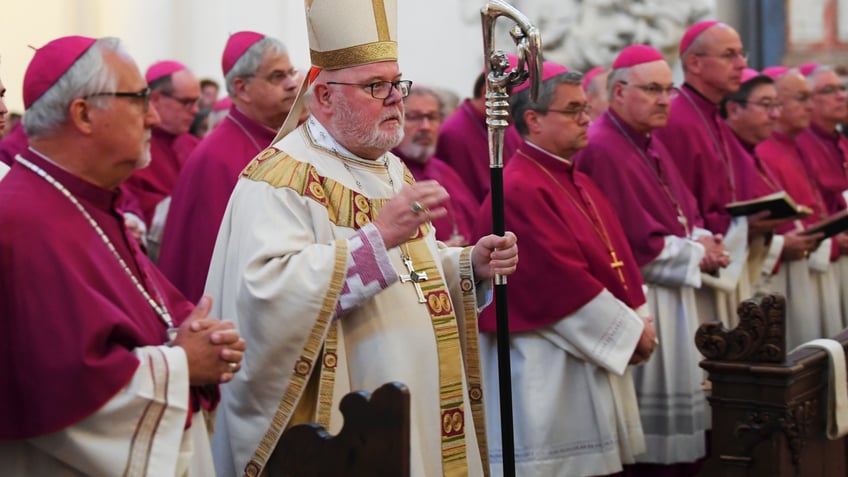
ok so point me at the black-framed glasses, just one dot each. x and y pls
(142, 94)
(382, 89)
(277, 77)
(654, 89)
(830, 89)
(728, 56)
(186, 103)
(573, 113)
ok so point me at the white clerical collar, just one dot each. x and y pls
(553, 156)
(322, 138)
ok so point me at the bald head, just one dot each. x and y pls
(714, 61)
(795, 94)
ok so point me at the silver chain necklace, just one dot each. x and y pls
(159, 307)
(245, 132)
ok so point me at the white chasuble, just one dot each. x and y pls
(278, 271)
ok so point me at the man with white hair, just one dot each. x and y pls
(327, 261)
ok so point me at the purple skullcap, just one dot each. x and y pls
(50, 63)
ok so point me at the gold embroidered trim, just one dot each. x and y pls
(329, 361)
(383, 50)
(380, 20)
(345, 207)
(473, 371)
(142, 441)
(451, 397)
(300, 377)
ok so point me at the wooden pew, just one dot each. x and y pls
(768, 408)
(374, 441)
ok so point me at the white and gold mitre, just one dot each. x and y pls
(345, 33)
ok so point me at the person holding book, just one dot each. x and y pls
(752, 113)
(825, 152)
(660, 218)
(701, 145)
(799, 275)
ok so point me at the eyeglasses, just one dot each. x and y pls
(277, 77)
(728, 55)
(573, 113)
(418, 118)
(186, 103)
(830, 89)
(654, 90)
(803, 97)
(766, 104)
(382, 89)
(143, 95)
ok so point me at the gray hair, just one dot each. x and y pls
(88, 75)
(520, 102)
(620, 74)
(811, 78)
(421, 90)
(251, 60)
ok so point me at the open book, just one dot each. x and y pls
(779, 203)
(831, 226)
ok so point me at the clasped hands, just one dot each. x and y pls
(214, 349)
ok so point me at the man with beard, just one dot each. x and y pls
(326, 257)
(663, 227)
(421, 129)
(262, 83)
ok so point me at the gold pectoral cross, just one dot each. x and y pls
(617, 265)
(414, 277)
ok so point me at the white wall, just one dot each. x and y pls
(436, 47)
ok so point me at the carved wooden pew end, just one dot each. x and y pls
(768, 408)
(373, 442)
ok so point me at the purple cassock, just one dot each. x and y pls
(201, 196)
(464, 145)
(71, 313)
(761, 182)
(567, 229)
(780, 153)
(156, 181)
(14, 143)
(826, 156)
(641, 182)
(703, 148)
(458, 224)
